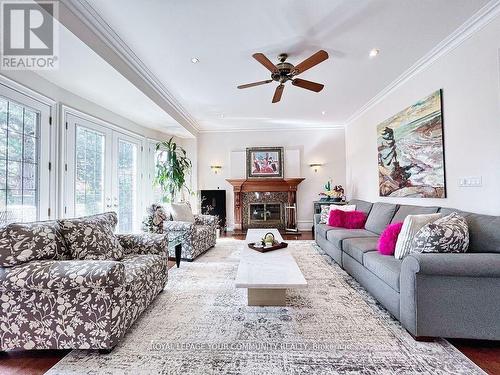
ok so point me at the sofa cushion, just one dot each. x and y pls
(181, 212)
(24, 242)
(362, 205)
(406, 210)
(357, 247)
(92, 237)
(449, 234)
(338, 235)
(411, 225)
(323, 229)
(484, 236)
(68, 274)
(387, 268)
(380, 216)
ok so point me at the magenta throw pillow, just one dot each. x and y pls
(388, 239)
(354, 220)
(336, 218)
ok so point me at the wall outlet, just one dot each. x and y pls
(470, 182)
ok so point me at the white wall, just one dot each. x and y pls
(469, 77)
(303, 147)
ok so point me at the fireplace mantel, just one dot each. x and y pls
(268, 184)
(242, 185)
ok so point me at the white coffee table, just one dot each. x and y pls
(267, 276)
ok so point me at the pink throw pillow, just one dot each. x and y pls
(354, 220)
(336, 218)
(388, 239)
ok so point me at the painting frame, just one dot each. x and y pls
(273, 170)
(411, 151)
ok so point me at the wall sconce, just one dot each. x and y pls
(315, 166)
(216, 168)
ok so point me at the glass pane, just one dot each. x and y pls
(30, 149)
(3, 174)
(29, 176)
(127, 181)
(15, 146)
(18, 163)
(15, 117)
(30, 121)
(3, 143)
(3, 113)
(89, 174)
(14, 175)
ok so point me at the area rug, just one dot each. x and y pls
(200, 324)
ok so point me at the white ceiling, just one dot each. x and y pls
(224, 34)
(84, 73)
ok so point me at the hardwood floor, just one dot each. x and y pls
(486, 354)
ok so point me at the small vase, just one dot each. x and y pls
(217, 233)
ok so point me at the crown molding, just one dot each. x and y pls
(267, 129)
(474, 24)
(130, 62)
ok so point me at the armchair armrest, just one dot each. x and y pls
(205, 220)
(177, 226)
(62, 274)
(143, 243)
(466, 264)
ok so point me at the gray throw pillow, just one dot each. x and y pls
(92, 237)
(181, 212)
(450, 234)
(24, 242)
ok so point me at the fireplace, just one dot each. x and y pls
(265, 203)
(264, 213)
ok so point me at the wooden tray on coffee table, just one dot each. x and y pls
(280, 245)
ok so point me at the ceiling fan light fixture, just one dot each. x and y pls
(195, 60)
(374, 52)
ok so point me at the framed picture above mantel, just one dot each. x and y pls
(265, 162)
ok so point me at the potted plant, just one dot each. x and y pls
(332, 193)
(172, 168)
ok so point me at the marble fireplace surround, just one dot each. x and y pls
(270, 191)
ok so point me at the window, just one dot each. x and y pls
(89, 176)
(103, 171)
(21, 157)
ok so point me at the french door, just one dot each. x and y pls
(102, 167)
(26, 181)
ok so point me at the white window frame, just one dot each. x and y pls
(47, 143)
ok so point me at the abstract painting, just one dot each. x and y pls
(265, 162)
(411, 151)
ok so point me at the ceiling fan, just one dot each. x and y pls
(284, 71)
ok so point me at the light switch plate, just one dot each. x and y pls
(470, 181)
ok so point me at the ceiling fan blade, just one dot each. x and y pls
(260, 57)
(308, 85)
(311, 61)
(254, 84)
(278, 92)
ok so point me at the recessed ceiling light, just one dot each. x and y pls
(222, 115)
(323, 113)
(374, 52)
(194, 60)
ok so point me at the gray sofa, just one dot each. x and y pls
(48, 300)
(432, 295)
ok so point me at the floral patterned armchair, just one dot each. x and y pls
(198, 236)
(50, 301)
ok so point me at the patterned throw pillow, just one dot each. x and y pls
(449, 234)
(325, 211)
(24, 242)
(411, 225)
(91, 237)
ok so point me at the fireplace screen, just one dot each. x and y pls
(264, 212)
